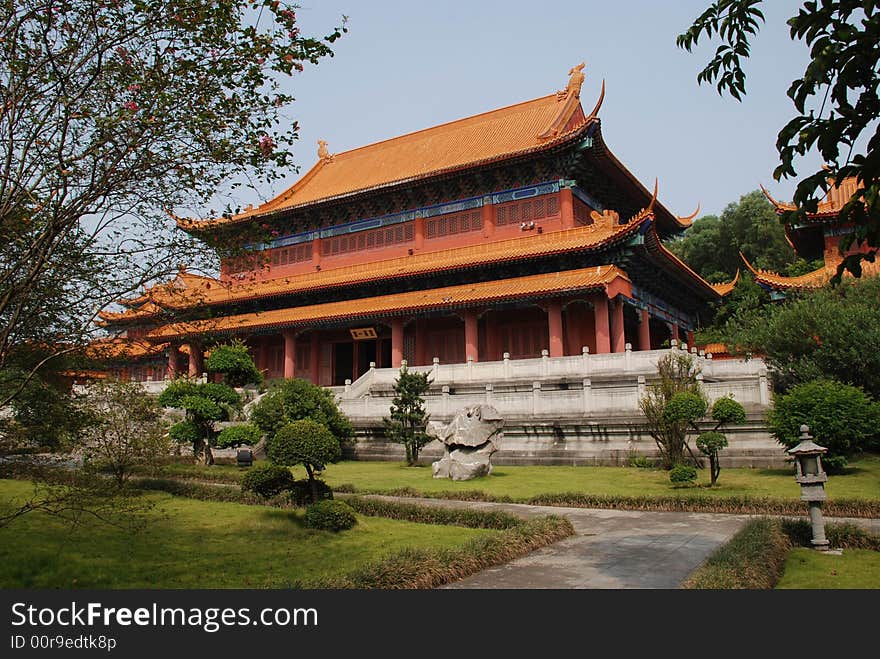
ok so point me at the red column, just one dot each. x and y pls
(618, 337)
(289, 353)
(314, 358)
(396, 342)
(603, 333)
(471, 345)
(316, 252)
(554, 323)
(173, 361)
(488, 212)
(566, 207)
(675, 331)
(421, 345)
(196, 361)
(690, 337)
(419, 231)
(644, 330)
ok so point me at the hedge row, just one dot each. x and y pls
(754, 558)
(421, 568)
(411, 512)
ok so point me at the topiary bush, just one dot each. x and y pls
(685, 406)
(294, 399)
(305, 442)
(267, 480)
(234, 361)
(330, 515)
(842, 418)
(185, 432)
(301, 491)
(235, 436)
(726, 410)
(682, 474)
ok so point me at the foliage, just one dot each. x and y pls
(305, 442)
(409, 419)
(686, 406)
(267, 480)
(234, 361)
(45, 413)
(330, 515)
(301, 491)
(641, 462)
(235, 436)
(204, 403)
(677, 375)
(128, 431)
(294, 399)
(836, 100)
(682, 474)
(114, 115)
(827, 333)
(841, 418)
(713, 244)
(727, 410)
(753, 559)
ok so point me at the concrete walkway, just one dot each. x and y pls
(610, 548)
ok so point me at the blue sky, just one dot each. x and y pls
(405, 66)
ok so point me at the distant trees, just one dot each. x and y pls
(409, 419)
(234, 362)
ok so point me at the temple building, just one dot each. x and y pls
(817, 237)
(514, 233)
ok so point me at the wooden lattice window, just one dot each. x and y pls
(453, 223)
(581, 213)
(528, 210)
(373, 239)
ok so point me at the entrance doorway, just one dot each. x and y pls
(343, 362)
(366, 353)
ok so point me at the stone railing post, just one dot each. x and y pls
(536, 393)
(588, 396)
(545, 356)
(490, 388)
(764, 388)
(585, 359)
(627, 356)
(505, 359)
(642, 386)
(445, 400)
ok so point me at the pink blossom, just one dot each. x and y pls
(131, 105)
(134, 88)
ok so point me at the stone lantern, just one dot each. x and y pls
(811, 477)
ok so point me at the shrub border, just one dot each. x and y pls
(754, 558)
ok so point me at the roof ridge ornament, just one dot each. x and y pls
(323, 153)
(689, 219)
(575, 81)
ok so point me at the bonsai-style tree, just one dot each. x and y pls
(408, 416)
(235, 363)
(677, 375)
(245, 434)
(204, 404)
(687, 408)
(295, 399)
(308, 443)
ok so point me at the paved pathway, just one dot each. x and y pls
(610, 548)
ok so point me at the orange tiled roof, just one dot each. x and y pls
(450, 297)
(815, 279)
(510, 131)
(119, 348)
(530, 246)
(724, 288)
(830, 206)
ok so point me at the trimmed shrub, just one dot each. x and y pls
(185, 432)
(301, 492)
(683, 474)
(308, 443)
(330, 515)
(235, 363)
(685, 406)
(842, 418)
(295, 399)
(267, 480)
(235, 436)
(726, 410)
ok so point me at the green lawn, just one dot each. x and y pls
(198, 544)
(861, 480)
(855, 568)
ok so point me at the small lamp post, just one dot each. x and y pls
(811, 477)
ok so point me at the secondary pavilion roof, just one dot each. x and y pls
(768, 278)
(608, 277)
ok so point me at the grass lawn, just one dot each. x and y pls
(198, 544)
(807, 568)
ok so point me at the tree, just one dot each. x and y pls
(712, 245)
(836, 100)
(841, 418)
(204, 403)
(295, 399)
(128, 431)
(409, 419)
(725, 410)
(113, 115)
(245, 434)
(235, 363)
(308, 443)
(826, 333)
(668, 421)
